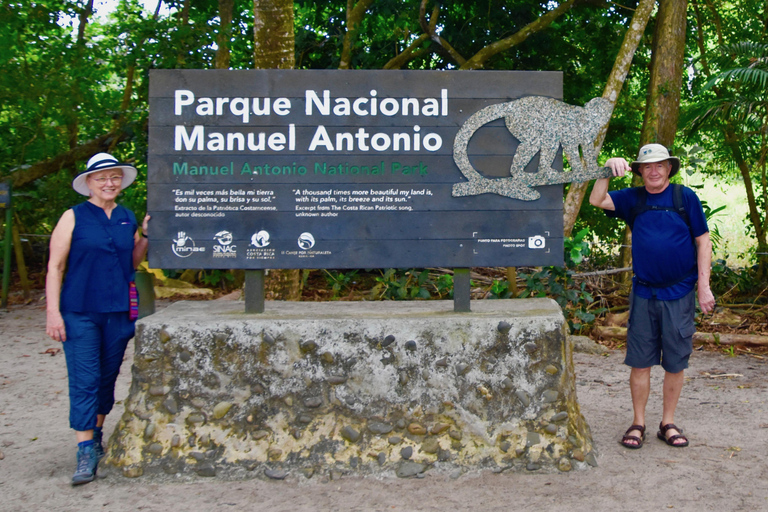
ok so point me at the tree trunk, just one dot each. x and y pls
(733, 140)
(621, 65)
(273, 34)
(274, 48)
(181, 55)
(662, 107)
(73, 123)
(355, 13)
(224, 37)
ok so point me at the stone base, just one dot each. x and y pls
(351, 388)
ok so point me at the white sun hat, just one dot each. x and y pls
(651, 153)
(102, 162)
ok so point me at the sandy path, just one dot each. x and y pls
(725, 468)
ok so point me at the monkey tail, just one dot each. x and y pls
(465, 133)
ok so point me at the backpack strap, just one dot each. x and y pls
(677, 202)
(640, 207)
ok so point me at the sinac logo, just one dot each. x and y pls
(260, 239)
(306, 241)
(225, 248)
(223, 237)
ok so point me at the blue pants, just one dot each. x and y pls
(94, 350)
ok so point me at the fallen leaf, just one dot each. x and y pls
(53, 351)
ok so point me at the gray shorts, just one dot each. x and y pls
(661, 332)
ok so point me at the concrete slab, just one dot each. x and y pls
(351, 387)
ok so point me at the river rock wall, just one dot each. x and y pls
(394, 388)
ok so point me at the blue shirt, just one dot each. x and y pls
(99, 270)
(662, 248)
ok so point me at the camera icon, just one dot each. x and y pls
(536, 242)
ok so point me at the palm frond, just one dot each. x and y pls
(747, 76)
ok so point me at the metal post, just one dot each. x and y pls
(145, 285)
(5, 195)
(254, 291)
(461, 295)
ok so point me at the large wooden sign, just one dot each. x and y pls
(345, 169)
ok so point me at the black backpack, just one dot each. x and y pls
(677, 201)
(679, 208)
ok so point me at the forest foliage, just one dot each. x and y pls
(74, 81)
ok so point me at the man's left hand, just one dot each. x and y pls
(706, 300)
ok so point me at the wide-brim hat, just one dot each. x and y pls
(651, 153)
(102, 162)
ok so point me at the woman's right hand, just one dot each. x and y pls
(54, 326)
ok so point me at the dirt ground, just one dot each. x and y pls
(724, 411)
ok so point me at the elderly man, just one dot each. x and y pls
(671, 253)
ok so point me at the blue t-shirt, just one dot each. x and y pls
(662, 249)
(99, 270)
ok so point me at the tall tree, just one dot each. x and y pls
(662, 106)
(274, 49)
(575, 196)
(729, 111)
(224, 37)
(355, 13)
(76, 93)
(273, 34)
(662, 109)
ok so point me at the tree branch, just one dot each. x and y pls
(409, 53)
(26, 174)
(479, 59)
(613, 87)
(444, 48)
(355, 13)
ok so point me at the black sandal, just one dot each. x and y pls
(662, 434)
(638, 440)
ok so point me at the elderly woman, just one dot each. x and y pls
(98, 246)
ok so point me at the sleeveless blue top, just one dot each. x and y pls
(662, 249)
(99, 270)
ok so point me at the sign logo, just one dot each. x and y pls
(260, 239)
(536, 242)
(224, 249)
(306, 241)
(183, 245)
(223, 237)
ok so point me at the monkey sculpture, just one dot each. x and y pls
(541, 125)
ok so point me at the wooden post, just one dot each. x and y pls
(5, 202)
(461, 290)
(254, 291)
(512, 280)
(21, 265)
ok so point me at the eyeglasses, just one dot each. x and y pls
(111, 179)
